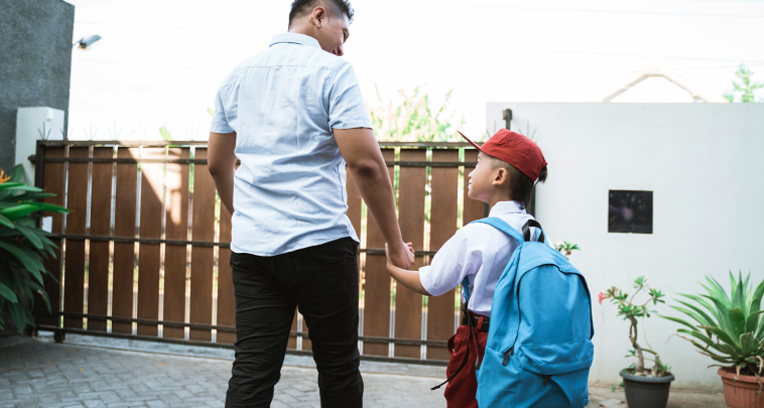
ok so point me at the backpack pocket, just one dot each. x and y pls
(555, 375)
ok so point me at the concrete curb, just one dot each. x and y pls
(436, 372)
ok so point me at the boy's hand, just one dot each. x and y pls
(405, 277)
(402, 258)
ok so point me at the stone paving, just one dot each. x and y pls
(40, 373)
(43, 374)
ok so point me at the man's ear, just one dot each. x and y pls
(319, 13)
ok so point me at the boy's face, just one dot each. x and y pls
(481, 178)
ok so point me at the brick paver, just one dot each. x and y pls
(43, 374)
(37, 373)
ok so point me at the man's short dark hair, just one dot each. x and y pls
(304, 7)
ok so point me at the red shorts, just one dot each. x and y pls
(461, 391)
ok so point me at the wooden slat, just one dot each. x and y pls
(152, 180)
(100, 224)
(376, 315)
(226, 299)
(124, 254)
(203, 229)
(53, 183)
(408, 304)
(473, 209)
(292, 342)
(77, 202)
(176, 227)
(444, 208)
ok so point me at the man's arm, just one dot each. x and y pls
(361, 152)
(221, 163)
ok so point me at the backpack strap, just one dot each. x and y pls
(502, 226)
(527, 231)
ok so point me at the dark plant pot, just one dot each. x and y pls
(740, 393)
(646, 392)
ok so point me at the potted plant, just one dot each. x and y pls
(648, 388)
(730, 330)
(23, 247)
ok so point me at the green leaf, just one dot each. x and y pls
(698, 318)
(7, 185)
(18, 316)
(737, 319)
(17, 173)
(704, 303)
(28, 262)
(25, 187)
(29, 317)
(21, 210)
(41, 290)
(5, 222)
(24, 209)
(7, 293)
(32, 235)
(678, 320)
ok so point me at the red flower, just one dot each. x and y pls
(602, 297)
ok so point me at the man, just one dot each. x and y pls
(295, 117)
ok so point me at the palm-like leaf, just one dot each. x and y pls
(733, 324)
(23, 247)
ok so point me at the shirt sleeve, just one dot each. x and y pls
(219, 120)
(454, 261)
(347, 109)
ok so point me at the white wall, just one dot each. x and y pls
(705, 165)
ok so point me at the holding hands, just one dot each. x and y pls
(401, 255)
(400, 272)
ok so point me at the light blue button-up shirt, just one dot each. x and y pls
(289, 192)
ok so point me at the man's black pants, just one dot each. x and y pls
(323, 282)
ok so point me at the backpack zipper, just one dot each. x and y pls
(507, 354)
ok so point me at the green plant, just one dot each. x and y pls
(23, 247)
(730, 330)
(413, 120)
(632, 312)
(566, 248)
(745, 88)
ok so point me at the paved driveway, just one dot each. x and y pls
(35, 373)
(39, 373)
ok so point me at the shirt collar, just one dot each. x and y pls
(506, 207)
(295, 38)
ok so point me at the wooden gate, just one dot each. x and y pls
(144, 251)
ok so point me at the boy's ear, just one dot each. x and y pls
(501, 176)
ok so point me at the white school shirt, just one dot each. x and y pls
(289, 192)
(481, 253)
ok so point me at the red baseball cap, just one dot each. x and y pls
(515, 149)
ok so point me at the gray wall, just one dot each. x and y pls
(35, 66)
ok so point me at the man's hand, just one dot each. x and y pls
(402, 256)
(405, 277)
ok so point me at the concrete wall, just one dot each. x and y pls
(36, 62)
(704, 164)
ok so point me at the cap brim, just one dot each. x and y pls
(471, 142)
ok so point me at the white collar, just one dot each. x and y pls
(506, 207)
(295, 38)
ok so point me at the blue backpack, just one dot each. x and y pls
(539, 349)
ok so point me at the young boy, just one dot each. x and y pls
(509, 166)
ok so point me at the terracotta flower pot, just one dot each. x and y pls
(741, 394)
